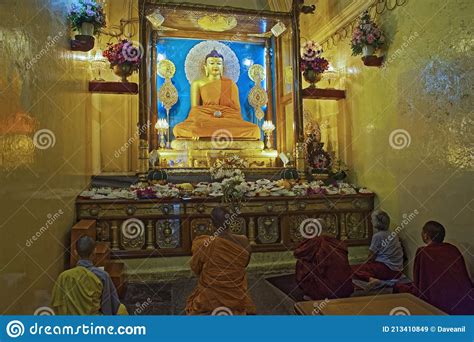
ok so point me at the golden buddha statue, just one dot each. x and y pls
(215, 106)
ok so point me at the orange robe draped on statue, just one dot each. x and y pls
(219, 95)
(220, 265)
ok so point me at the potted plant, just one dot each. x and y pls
(312, 63)
(124, 58)
(366, 37)
(87, 17)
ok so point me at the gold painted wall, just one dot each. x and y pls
(422, 97)
(41, 76)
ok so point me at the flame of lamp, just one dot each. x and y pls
(268, 127)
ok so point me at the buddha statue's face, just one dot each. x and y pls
(214, 67)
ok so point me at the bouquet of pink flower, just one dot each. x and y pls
(366, 33)
(311, 58)
(86, 11)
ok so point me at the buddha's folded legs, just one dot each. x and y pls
(203, 124)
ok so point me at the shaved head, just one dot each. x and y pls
(219, 216)
(85, 247)
(434, 231)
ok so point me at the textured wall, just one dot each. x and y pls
(422, 97)
(40, 76)
(81, 132)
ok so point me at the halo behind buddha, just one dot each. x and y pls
(196, 58)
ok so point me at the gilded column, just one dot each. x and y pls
(252, 231)
(150, 243)
(114, 244)
(342, 219)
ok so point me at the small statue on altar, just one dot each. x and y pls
(317, 158)
(215, 106)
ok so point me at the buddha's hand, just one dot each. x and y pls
(218, 114)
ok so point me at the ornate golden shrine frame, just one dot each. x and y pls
(147, 87)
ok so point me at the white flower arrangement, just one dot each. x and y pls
(227, 167)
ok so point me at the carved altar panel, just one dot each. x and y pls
(132, 234)
(238, 226)
(167, 233)
(331, 219)
(103, 230)
(271, 224)
(356, 226)
(201, 226)
(268, 230)
(332, 223)
(294, 223)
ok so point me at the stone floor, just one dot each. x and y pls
(160, 286)
(169, 298)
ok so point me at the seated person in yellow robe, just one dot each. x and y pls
(86, 289)
(220, 261)
(215, 107)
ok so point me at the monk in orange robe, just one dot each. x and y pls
(322, 269)
(219, 261)
(440, 274)
(215, 107)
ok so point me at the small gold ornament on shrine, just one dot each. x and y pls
(257, 96)
(167, 94)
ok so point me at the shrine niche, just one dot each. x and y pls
(216, 84)
(221, 98)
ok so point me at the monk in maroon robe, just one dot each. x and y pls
(322, 269)
(440, 275)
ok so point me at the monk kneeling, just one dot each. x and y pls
(219, 261)
(322, 269)
(440, 275)
(86, 289)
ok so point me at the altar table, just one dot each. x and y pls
(166, 227)
(400, 303)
